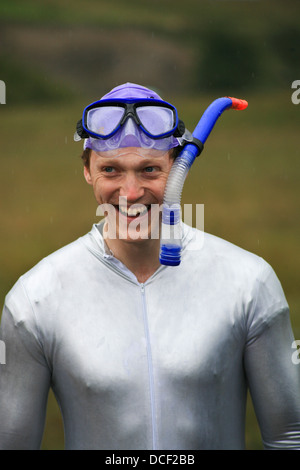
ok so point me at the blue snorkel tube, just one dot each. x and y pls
(170, 243)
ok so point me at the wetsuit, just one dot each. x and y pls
(159, 365)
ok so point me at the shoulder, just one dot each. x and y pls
(205, 248)
(48, 275)
(238, 274)
(226, 259)
(45, 292)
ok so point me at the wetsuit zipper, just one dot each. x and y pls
(150, 368)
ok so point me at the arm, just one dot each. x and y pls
(24, 378)
(273, 378)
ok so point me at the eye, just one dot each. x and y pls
(108, 169)
(149, 169)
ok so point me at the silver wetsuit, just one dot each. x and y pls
(159, 365)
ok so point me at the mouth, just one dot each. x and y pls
(134, 221)
(134, 211)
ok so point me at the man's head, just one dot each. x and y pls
(131, 137)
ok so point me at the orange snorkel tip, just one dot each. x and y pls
(238, 104)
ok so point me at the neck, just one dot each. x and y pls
(141, 257)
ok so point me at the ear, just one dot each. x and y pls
(87, 175)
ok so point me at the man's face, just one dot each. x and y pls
(130, 188)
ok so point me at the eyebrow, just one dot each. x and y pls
(144, 162)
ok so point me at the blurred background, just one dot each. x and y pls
(57, 57)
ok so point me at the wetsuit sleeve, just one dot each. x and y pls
(24, 377)
(273, 377)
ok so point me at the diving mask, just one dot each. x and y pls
(130, 116)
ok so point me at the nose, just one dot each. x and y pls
(131, 187)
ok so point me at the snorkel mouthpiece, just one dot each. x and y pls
(170, 244)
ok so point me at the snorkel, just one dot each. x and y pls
(170, 243)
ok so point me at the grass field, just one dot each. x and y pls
(247, 178)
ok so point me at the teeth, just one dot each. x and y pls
(133, 211)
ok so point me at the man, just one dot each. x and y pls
(140, 355)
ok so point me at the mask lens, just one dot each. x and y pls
(104, 119)
(156, 120)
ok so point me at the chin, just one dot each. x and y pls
(134, 236)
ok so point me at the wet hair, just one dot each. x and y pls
(86, 155)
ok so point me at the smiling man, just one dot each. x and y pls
(129, 150)
(131, 188)
(141, 355)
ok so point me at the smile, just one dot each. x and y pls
(136, 210)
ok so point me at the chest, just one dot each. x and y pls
(106, 338)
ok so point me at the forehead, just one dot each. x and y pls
(131, 156)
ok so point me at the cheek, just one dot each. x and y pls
(158, 190)
(102, 190)
(162, 182)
